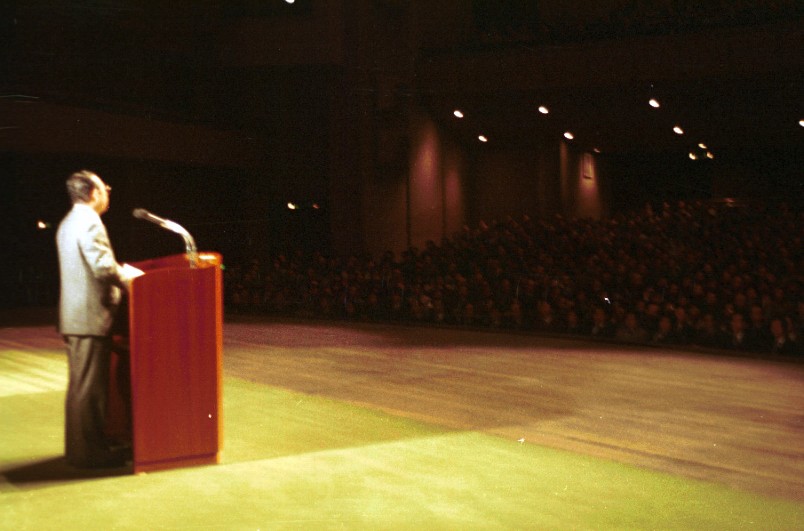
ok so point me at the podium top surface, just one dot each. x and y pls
(180, 261)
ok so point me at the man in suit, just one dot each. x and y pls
(91, 283)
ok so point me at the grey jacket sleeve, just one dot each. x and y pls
(98, 254)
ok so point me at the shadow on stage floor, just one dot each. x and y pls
(46, 472)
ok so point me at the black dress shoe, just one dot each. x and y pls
(115, 457)
(105, 462)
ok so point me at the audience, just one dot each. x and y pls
(708, 274)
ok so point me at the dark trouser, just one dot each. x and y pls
(85, 441)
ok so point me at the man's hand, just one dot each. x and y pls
(129, 274)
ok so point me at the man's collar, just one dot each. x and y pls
(86, 206)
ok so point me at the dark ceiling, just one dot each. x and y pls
(130, 56)
(725, 114)
(736, 89)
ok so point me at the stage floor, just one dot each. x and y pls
(400, 409)
(732, 420)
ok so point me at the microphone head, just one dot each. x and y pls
(140, 213)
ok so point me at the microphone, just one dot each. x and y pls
(144, 214)
(172, 226)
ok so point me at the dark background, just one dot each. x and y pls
(219, 66)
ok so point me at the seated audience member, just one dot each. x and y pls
(600, 327)
(782, 342)
(664, 331)
(651, 317)
(758, 336)
(468, 314)
(572, 324)
(513, 317)
(545, 320)
(796, 326)
(682, 330)
(630, 330)
(735, 337)
(707, 334)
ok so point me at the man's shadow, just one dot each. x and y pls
(56, 470)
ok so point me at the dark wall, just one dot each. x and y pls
(773, 174)
(239, 213)
(636, 179)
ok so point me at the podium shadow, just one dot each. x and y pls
(57, 470)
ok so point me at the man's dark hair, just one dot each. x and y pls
(80, 186)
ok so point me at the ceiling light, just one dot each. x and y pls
(568, 135)
(543, 109)
(801, 123)
(678, 130)
(482, 138)
(709, 155)
(693, 156)
(291, 206)
(457, 113)
(596, 150)
(654, 103)
(702, 145)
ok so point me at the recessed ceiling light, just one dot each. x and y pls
(678, 130)
(482, 138)
(568, 135)
(801, 123)
(458, 113)
(702, 145)
(543, 109)
(693, 156)
(710, 155)
(654, 103)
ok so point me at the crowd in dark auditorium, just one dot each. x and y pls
(722, 275)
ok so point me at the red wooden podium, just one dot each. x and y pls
(176, 343)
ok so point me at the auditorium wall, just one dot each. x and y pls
(149, 163)
(73, 129)
(582, 189)
(421, 196)
(444, 185)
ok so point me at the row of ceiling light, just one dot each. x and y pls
(701, 152)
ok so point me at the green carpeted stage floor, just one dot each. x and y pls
(377, 427)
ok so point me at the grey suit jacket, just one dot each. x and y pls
(91, 278)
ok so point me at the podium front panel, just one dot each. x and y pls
(176, 345)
